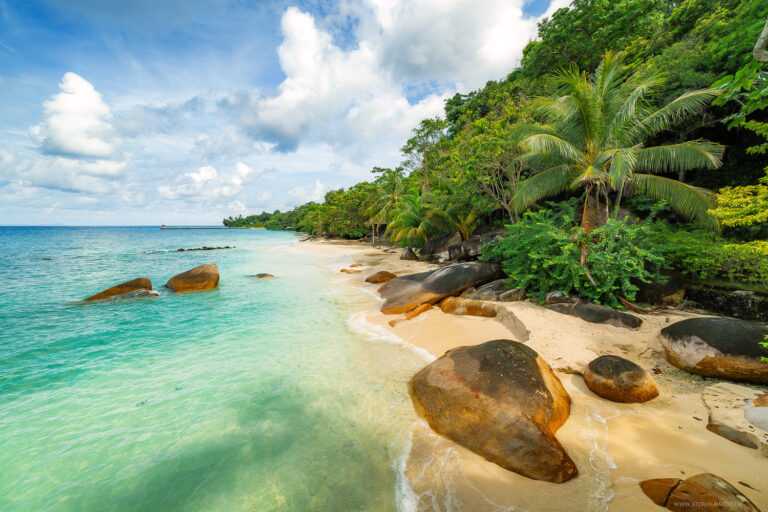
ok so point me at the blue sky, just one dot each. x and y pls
(184, 112)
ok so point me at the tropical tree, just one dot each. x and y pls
(592, 136)
(463, 219)
(411, 222)
(390, 183)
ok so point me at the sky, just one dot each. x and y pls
(183, 112)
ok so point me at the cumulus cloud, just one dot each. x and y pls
(76, 121)
(301, 195)
(208, 183)
(68, 174)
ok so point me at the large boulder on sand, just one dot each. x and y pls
(382, 276)
(134, 285)
(620, 380)
(704, 492)
(439, 244)
(406, 292)
(597, 314)
(717, 347)
(739, 414)
(501, 400)
(204, 277)
(489, 291)
(462, 306)
(408, 254)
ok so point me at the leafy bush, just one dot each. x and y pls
(542, 253)
(705, 256)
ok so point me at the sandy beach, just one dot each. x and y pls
(615, 446)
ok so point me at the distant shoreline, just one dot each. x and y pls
(209, 227)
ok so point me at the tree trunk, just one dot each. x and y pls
(759, 52)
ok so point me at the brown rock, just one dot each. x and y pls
(620, 380)
(460, 306)
(382, 276)
(717, 347)
(704, 492)
(140, 283)
(350, 271)
(597, 314)
(411, 314)
(204, 277)
(734, 415)
(264, 276)
(356, 265)
(406, 292)
(501, 400)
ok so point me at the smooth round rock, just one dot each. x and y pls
(620, 380)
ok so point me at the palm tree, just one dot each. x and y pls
(391, 184)
(593, 137)
(411, 219)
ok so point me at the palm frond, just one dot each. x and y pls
(544, 184)
(685, 156)
(691, 202)
(686, 105)
(623, 165)
(545, 143)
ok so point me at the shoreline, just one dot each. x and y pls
(615, 446)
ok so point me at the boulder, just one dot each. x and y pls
(501, 400)
(717, 347)
(738, 414)
(204, 277)
(558, 297)
(354, 265)
(743, 304)
(471, 249)
(489, 291)
(382, 276)
(350, 271)
(408, 255)
(439, 244)
(704, 492)
(461, 306)
(668, 293)
(411, 314)
(597, 314)
(406, 292)
(620, 380)
(140, 283)
(513, 295)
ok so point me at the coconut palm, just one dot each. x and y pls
(391, 185)
(411, 219)
(593, 136)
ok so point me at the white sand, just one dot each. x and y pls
(615, 446)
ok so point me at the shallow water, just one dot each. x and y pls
(256, 396)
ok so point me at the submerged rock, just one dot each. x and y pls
(406, 292)
(738, 414)
(598, 314)
(382, 276)
(620, 380)
(704, 492)
(140, 283)
(204, 277)
(501, 400)
(262, 275)
(717, 347)
(461, 306)
(204, 248)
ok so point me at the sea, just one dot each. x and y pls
(261, 395)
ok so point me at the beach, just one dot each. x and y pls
(615, 446)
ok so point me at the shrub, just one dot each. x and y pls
(703, 255)
(542, 253)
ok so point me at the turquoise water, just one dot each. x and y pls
(256, 396)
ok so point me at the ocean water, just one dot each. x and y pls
(256, 396)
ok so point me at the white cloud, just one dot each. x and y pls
(207, 183)
(76, 121)
(56, 172)
(300, 194)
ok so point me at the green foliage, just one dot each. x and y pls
(541, 253)
(705, 256)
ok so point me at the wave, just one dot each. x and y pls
(360, 324)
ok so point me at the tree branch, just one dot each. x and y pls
(759, 53)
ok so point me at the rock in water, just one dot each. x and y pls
(262, 275)
(738, 414)
(620, 380)
(717, 347)
(408, 255)
(382, 276)
(204, 277)
(704, 492)
(140, 283)
(598, 314)
(406, 292)
(501, 400)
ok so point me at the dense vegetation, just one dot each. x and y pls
(634, 109)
